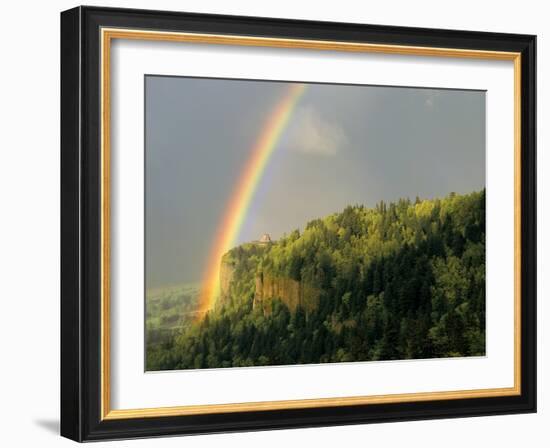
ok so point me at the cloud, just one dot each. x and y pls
(431, 98)
(311, 133)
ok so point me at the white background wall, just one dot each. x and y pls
(29, 228)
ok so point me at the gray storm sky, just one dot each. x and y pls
(344, 145)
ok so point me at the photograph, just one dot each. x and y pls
(281, 222)
(292, 223)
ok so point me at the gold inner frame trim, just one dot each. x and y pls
(107, 35)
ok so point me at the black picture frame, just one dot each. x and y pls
(81, 224)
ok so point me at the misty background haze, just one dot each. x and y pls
(344, 145)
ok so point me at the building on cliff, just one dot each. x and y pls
(265, 239)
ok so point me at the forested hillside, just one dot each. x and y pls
(399, 281)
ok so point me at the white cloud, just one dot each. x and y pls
(311, 133)
(431, 99)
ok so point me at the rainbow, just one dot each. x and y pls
(240, 200)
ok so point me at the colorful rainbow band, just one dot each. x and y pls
(237, 208)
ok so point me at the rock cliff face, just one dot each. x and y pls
(227, 271)
(291, 292)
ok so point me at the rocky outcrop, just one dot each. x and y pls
(291, 292)
(267, 287)
(227, 272)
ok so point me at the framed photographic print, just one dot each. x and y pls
(275, 224)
